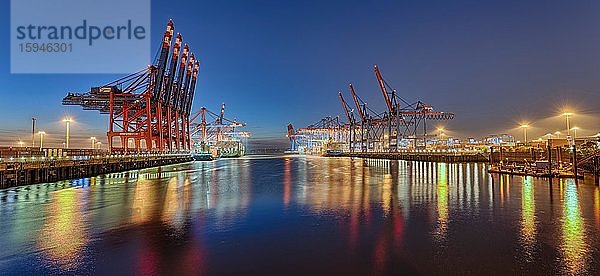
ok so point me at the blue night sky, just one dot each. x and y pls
(493, 63)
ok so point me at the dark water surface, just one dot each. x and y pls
(302, 216)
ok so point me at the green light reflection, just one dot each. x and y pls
(573, 246)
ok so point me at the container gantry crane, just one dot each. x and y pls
(212, 131)
(327, 133)
(352, 127)
(391, 129)
(149, 108)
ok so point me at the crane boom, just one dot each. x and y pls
(162, 61)
(189, 86)
(345, 107)
(192, 88)
(203, 123)
(186, 84)
(358, 108)
(384, 91)
(180, 73)
(172, 70)
(222, 113)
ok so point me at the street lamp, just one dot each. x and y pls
(441, 132)
(568, 121)
(574, 129)
(525, 127)
(68, 122)
(20, 143)
(41, 133)
(93, 141)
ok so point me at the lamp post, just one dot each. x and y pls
(574, 129)
(67, 128)
(441, 133)
(41, 133)
(568, 121)
(525, 127)
(33, 119)
(93, 142)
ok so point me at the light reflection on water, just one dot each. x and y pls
(442, 203)
(63, 234)
(573, 246)
(528, 219)
(265, 213)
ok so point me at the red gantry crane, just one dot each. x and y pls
(149, 109)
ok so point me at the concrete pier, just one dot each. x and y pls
(19, 172)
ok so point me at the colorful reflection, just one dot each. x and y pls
(287, 181)
(386, 193)
(144, 201)
(573, 247)
(442, 201)
(528, 219)
(376, 216)
(64, 235)
(177, 202)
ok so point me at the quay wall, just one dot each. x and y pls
(24, 172)
(416, 156)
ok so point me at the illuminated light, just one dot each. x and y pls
(67, 121)
(42, 134)
(567, 116)
(525, 127)
(574, 130)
